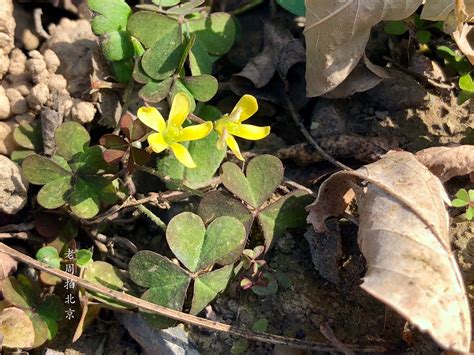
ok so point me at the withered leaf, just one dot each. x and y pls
(404, 236)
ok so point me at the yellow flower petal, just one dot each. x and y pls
(232, 144)
(247, 105)
(195, 132)
(223, 134)
(180, 109)
(152, 118)
(250, 132)
(157, 142)
(182, 154)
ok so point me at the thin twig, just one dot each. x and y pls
(21, 236)
(22, 227)
(296, 117)
(153, 217)
(180, 316)
(39, 24)
(329, 335)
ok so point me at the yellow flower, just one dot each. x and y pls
(231, 125)
(168, 135)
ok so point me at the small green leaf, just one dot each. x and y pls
(155, 92)
(470, 213)
(199, 60)
(197, 247)
(395, 28)
(122, 70)
(466, 83)
(240, 346)
(71, 138)
(270, 289)
(287, 212)
(208, 286)
(18, 156)
(111, 15)
(41, 329)
(90, 162)
(423, 37)
(216, 32)
(117, 45)
(49, 256)
(216, 204)
(139, 74)
(296, 7)
(40, 170)
(149, 269)
(20, 292)
(104, 274)
(464, 96)
(83, 257)
(445, 52)
(51, 325)
(161, 60)
(29, 136)
(84, 200)
(264, 175)
(55, 193)
(202, 87)
(462, 195)
(260, 325)
(150, 27)
(471, 195)
(52, 307)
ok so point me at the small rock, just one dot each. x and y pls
(7, 143)
(82, 112)
(4, 104)
(328, 118)
(13, 187)
(57, 82)
(29, 39)
(4, 64)
(37, 67)
(17, 62)
(52, 60)
(18, 103)
(38, 96)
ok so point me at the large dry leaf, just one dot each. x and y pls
(437, 10)
(336, 35)
(404, 236)
(16, 328)
(448, 162)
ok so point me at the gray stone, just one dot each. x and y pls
(13, 187)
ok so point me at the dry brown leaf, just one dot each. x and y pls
(336, 35)
(7, 265)
(448, 162)
(404, 236)
(16, 328)
(437, 10)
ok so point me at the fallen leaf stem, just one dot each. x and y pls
(180, 316)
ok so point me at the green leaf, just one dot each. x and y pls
(84, 200)
(296, 7)
(207, 286)
(104, 274)
(149, 269)
(466, 83)
(423, 37)
(260, 325)
(239, 346)
(16, 328)
(139, 74)
(270, 289)
(155, 92)
(122, 70)
(462, 195)
(52, 307)
(464, 96)
(55, 193)
(19, 292)
(470, 213)
(202, 87)
(206, 156)
(29, 136)
(471, 195)
(41, 329)
(51, 325)
(71, 138)
(90, 162)
(49, 256)
(264, 175)
(40, 170)
(166, 3)
(287, 212)
(161, 60)
(83, 257)
(197, 247)
(199, 60)
(186, 8)
(216, 32)
(111, 15)
(215, 204)
(395, 28)
(150, 27)
(117, 45)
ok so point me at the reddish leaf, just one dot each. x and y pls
(112, 156)
(126, 123)
(113, 141)
(140, 156)
(139, 130)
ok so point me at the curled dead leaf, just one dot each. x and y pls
(404, 236)
(16, 328)
(448, 162)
